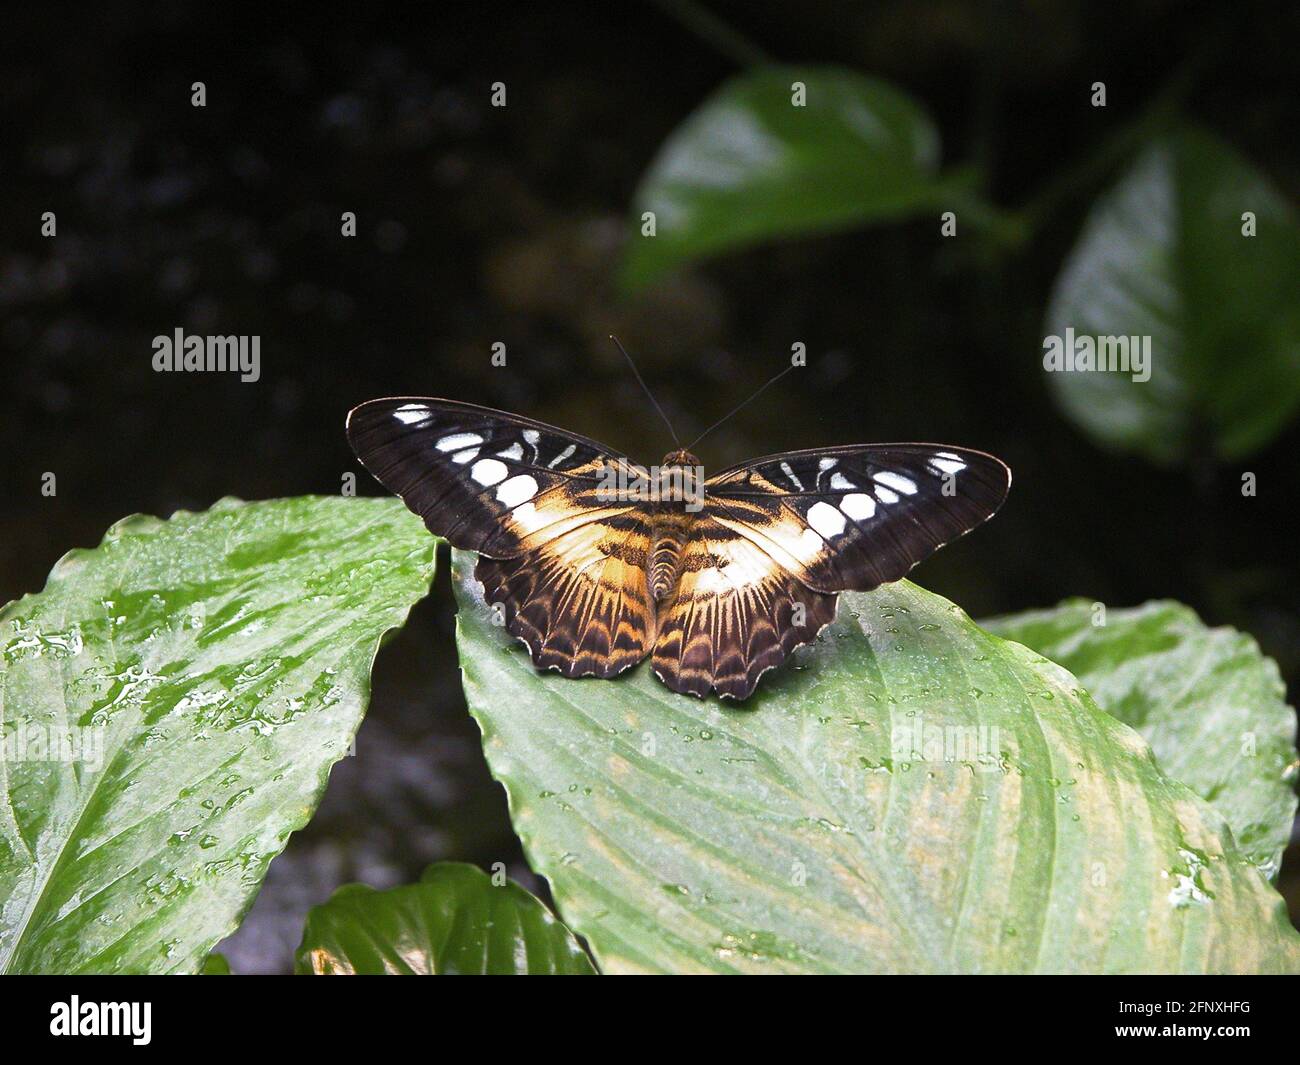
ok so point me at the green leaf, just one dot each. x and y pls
(209, 670)
(454, 922)
(915, 795)
(749, 166)
(215, 965)
(1210, 704)
(1163, 255)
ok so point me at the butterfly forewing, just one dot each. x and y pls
(481, 479)
(853, 518)
(563, 561)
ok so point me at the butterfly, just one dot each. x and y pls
(596, 562)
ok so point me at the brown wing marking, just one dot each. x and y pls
(734, 615)
(579, 600)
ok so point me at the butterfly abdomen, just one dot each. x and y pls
(680, 483)
(671, 532)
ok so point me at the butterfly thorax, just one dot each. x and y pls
(680, 499)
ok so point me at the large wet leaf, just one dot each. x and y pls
(454, 922)
(1163, 255)
(1210, 704)
(171, 704)
(749, 165)
(917, 795)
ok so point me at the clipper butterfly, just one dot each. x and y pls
(598, 562)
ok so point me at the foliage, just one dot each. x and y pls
(454, 922)
(915, 795)
(209, 670)
(1164, 254)
(1211, 706)
(751, 165)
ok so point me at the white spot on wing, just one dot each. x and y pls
(896, 481)
(458, 441)
(410, 413)
(840, 483)
(826, 520)
(526, 517)
(514, 451)
(488, 471)
(532, 436)
(562, 456)
(517, 490)
(792, 538)
(885, 495)
(785, 468)
(858, 506)
(809, 546)
(713, 582)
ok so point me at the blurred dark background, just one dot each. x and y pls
(478, 225)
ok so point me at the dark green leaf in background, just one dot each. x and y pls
(1210, 704)
(453, 922)
(1162, 254)
(915, 795)
(749, 166)
(212, 667)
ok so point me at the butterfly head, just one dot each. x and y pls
(680, 457)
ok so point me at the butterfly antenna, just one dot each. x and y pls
(641, 381)
(737, 409)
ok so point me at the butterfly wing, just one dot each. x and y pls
(482, 479)
(580, 602)
(853, 518)
(781, 536)
(736, 614)
(565, 560)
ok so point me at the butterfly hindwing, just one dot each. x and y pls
(736, 614)
(853, 518)
(565, 564)
(580, 601)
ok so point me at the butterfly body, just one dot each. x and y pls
(671, 523)
(596, 562)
